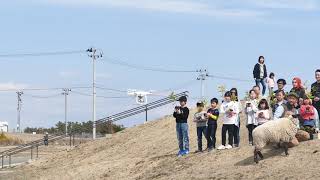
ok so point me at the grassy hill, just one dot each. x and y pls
(149, 151)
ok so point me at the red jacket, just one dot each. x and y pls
(307, 112)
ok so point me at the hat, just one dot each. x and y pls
(293, 94)
(182, 99)
(200, 103)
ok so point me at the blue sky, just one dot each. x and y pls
(224, 37)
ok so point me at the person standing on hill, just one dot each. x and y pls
(236, 132)
(251, 110)
(181, 113)
(260, 74)
(280, 108)
(281, 83)
(263, 114)
(257, 90)
(46, 139)
(315, 91)
(213, 116)
(271, 83)
(298, 89)
(200, 117)
(229, 110)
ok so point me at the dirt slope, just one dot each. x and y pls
(149, 152)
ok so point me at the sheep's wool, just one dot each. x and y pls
(281, 130)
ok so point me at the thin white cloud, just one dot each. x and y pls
(303, 5)
(12, 86)
(171, 6)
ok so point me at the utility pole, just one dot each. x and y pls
(19, 93)
(66, 93)
(203, 74)
(94, 54)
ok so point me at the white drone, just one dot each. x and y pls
(141, 96)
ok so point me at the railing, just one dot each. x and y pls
(112, 118)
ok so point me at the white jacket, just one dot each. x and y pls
(229, 118)
(251, 112)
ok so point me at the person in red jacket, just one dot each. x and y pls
(307, 114)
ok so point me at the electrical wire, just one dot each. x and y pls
(138, 67)
(42, 97)
(105, 97)
(54, 53)
(111, 89)
(43, 89)
(229, 78)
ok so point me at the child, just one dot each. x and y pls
(213, 115)
(280, 108)
(263, 113)
(271, 82)
(181, 113)
(250, 110)
(307, 113)
(200, 117)
(236, 128)
(230, 111)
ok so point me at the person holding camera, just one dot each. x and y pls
(201, 118)
(263, 114)
(181, 113)
(250, 110)
(229, 109)
(213, 116)
(307, 113)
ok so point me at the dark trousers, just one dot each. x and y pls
(227, 128)
(46, 142)
(201, 131)
(211, 134)
(250, 129)
(236, 134)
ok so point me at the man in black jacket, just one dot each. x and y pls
(260, 74)
(315, 91)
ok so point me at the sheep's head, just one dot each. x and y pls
(294, 118)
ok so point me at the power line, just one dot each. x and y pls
(106, 97)
(138, 67)
(42, 97)
(53, 53)
(111, 89)
(43, 89)
(229, 78)
(178, 87)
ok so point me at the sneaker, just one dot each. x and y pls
(222, 147)
(185, 152)
(179, 153)
(228, 146)
(250, 144)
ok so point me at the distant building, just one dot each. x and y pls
(4, 126)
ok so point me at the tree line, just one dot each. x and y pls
(77, 128)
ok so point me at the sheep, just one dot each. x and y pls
(280, 131)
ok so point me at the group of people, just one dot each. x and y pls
(258, 109)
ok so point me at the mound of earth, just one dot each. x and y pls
(149, 151)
